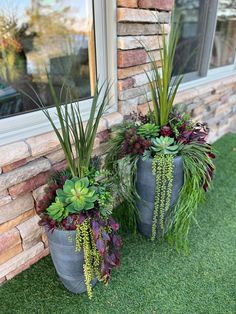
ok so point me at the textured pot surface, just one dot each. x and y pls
(146, 186)
(68, 263)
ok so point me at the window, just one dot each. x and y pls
(66, 38)
(44, 36)
(207, 37)
(224, 44)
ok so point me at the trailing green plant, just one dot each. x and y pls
(122, 165)
(148, 130)
(165, 145)
(101, 247)
(76, 139)
(198, 166)
(162, 169)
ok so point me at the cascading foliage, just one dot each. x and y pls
(162, 168)
(84, 205)
(138, 138)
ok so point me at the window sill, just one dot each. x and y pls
(212, 77)
(41, 139)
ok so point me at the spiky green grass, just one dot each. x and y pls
(153, 278)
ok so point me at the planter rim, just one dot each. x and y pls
(151, 158)
(59, 230)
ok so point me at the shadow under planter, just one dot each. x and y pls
(146, 187)
(68, 262)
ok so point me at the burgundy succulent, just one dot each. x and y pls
(50, 191)
(134, 144)
(197, 134)
(166, 131)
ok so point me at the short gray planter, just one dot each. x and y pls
(146, 186)
(68, 263)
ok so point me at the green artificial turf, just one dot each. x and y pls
(153, 278)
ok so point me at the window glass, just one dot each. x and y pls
(189, 46)
(40, 36)
(224, 44)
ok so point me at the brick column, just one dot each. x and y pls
(137, 21)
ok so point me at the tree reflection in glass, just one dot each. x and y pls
(38, 36)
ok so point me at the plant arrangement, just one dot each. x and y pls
(161, 161)
(78, 202)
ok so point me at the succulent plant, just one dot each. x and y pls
(148, 130)
(77, 195)
(164, 145)
(133, 143)
(166, 131)
(57, 211)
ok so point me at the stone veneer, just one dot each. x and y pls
(26, 165)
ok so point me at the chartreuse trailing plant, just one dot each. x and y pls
(162, 168)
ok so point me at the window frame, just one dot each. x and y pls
(205, 74)
(16, 128)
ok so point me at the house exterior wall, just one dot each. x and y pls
(26, 165)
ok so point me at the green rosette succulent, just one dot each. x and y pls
(77, 195)
(148, 130)
(165, 145)
(57, 210)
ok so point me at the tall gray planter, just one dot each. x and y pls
(146, 186)
(68, 263)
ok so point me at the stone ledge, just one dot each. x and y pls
(162, 5)
(135, 29)
(5, 200)
(30, 232)
(10, 245)
(142, 16)
(29, 185)
(27, 264)
(24, 173)
(15, 262)
(16, 221)
(124, 73)
(16, 207)
(13, 152)
(133, 93)
(113, 119)
(133, 42)
(127, 3)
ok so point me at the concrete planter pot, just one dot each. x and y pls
(68, 263)
(146, 187)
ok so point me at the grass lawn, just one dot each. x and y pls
(153, 278)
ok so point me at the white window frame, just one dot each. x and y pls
(26, 125)
(205, 74)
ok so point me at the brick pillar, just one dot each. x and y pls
(137, 21)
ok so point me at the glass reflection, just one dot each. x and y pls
(40, 36)
(191, 35)
(224, 44)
